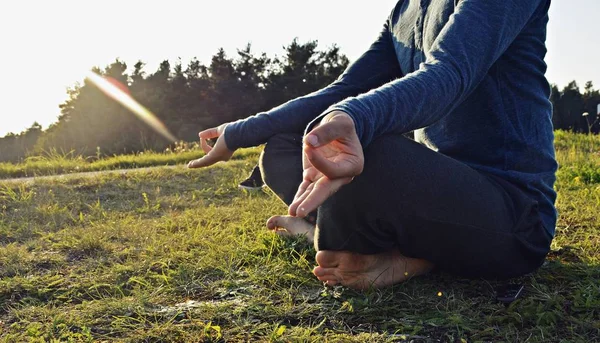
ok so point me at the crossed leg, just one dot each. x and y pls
(411, 209)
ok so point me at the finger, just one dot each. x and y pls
(295, 206)
(309, 176)
(338, 127)
(208, 160)
(311, 173)
(293, 210)
(323, 189)
(333, 170)
(311, 201)
(205, 147)
(302, 188)
(323, 164)
(209, 133)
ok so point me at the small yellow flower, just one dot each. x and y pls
(439, 294)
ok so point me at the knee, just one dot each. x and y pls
(281, 165)
(282, 144)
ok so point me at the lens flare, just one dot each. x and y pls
(131, 104)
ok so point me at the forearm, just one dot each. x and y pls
(291, 117)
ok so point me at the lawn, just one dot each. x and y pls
(54, 163)
(170, 254)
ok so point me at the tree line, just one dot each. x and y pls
(190, 98)
(570, 107)
(186, 99)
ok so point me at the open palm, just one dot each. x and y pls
(332, 157)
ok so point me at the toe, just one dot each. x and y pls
(328, 259)
(325, 274)
(322, 272)
(273, 222)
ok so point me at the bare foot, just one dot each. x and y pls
(291, 226)
(366, 271)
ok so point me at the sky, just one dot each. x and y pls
(48, 46)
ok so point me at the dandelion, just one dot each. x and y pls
(439, 294)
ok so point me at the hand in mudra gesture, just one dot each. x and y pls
(332, 157)
(220, 152)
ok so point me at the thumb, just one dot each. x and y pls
(334, 126)
(218, 153)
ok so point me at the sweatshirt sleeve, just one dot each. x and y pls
(374, 68)
(476, 35)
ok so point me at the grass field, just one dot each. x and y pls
(175, 255)
(57, 164)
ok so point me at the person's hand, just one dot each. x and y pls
(215, 154)
(331, 158)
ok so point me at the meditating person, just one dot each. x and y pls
(471, 195)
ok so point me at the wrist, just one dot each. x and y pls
(338, 115)
(228, 137)
(343, 118)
